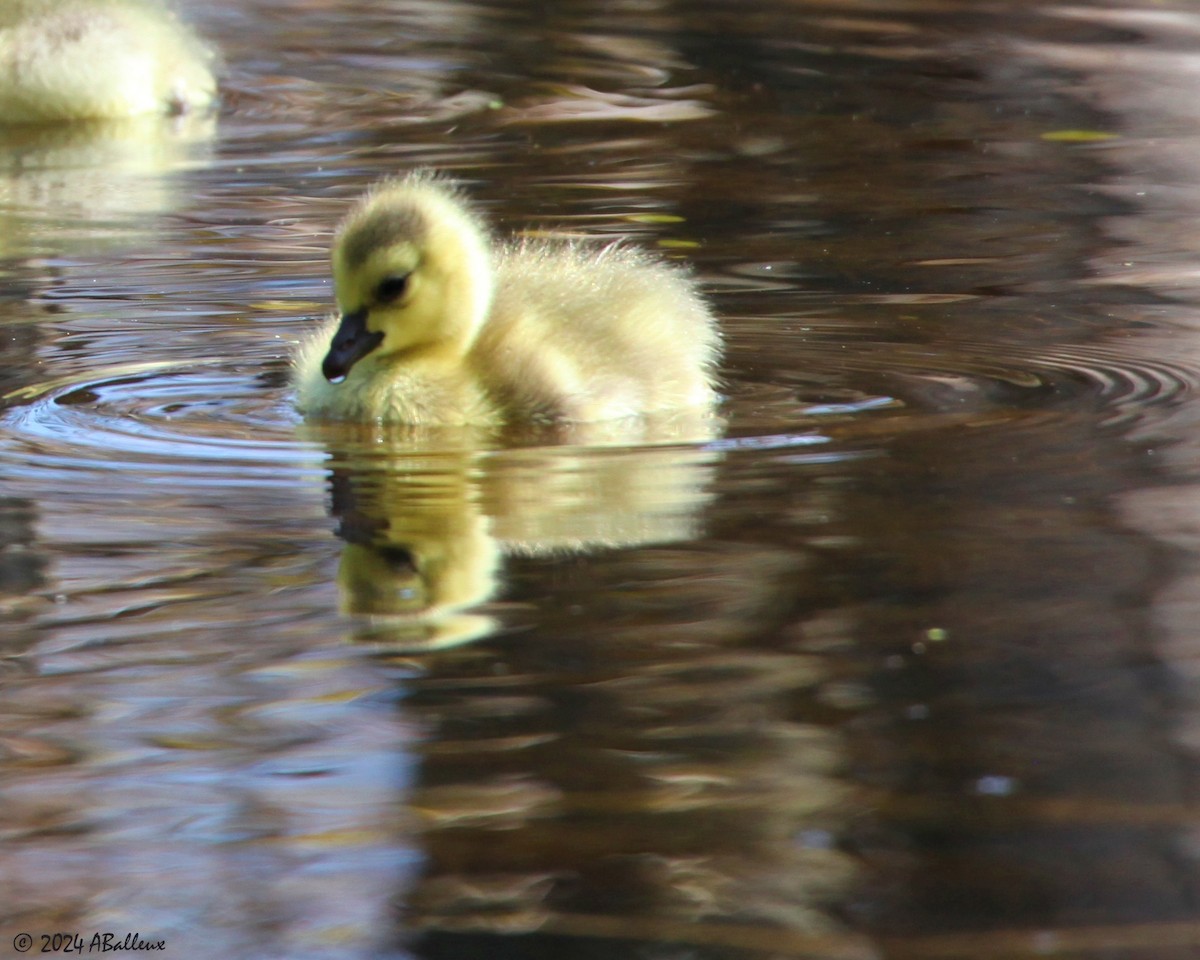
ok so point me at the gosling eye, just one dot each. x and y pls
(391, 288)
(398, 559)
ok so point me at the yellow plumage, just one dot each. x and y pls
(439, 325)
(98, 59)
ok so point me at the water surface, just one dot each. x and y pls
(896, 661)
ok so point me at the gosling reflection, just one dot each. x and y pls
(93, 185)
(427, 530)
(418, 551)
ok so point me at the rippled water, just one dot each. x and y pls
(897, 660)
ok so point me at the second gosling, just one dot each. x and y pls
(440, 325)
(64, 60)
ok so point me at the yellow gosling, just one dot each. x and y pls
(440, 325)
(98, 59)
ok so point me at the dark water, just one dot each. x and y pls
(901, 662)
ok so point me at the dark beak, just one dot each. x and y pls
(351, 343)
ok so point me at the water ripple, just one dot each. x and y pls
(1122, 379)
(203, 421)
(221, 422)
(1125, 378)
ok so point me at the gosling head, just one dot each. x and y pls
(411, 272)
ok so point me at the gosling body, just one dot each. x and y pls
(63, 60)
(440, 325)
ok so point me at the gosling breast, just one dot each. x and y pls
(438, 324)
(98, 59)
